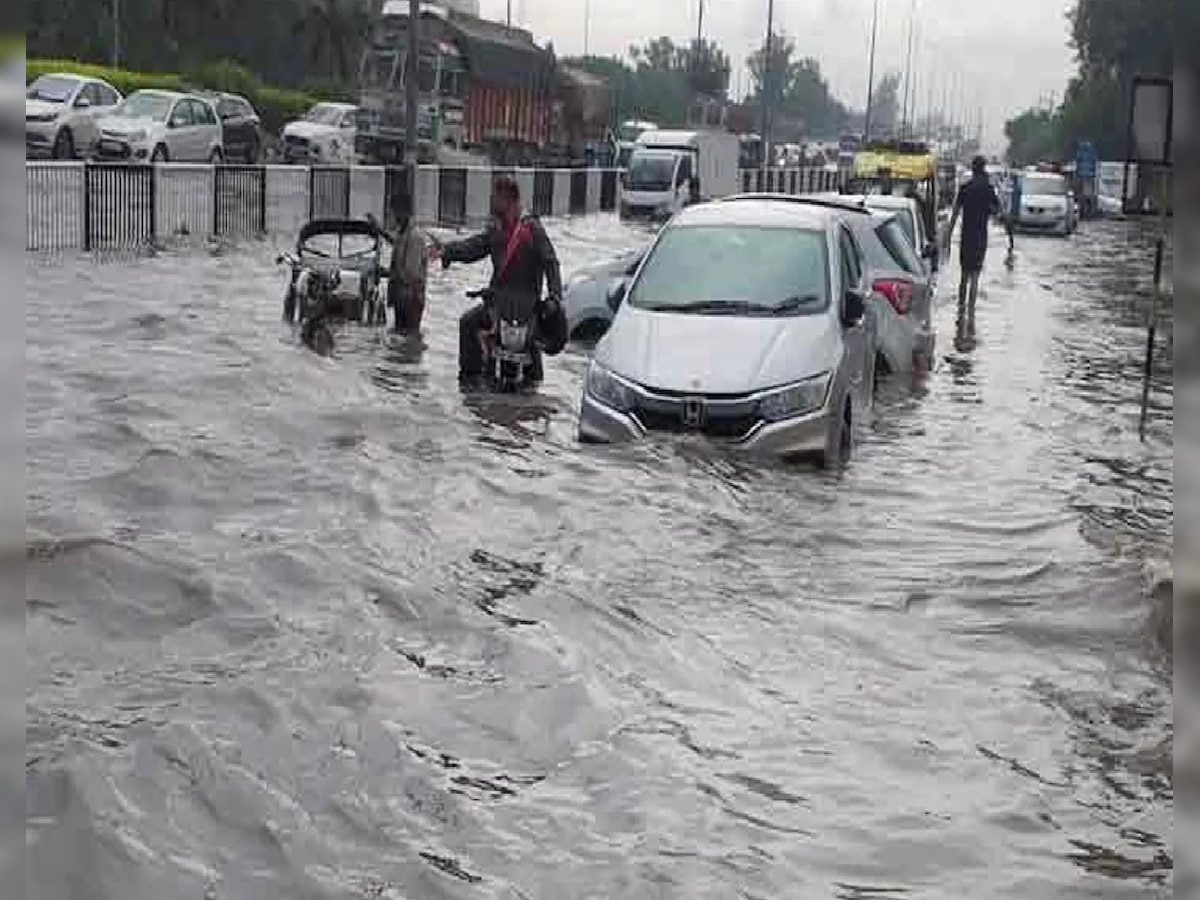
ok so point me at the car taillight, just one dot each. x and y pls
(897, 291)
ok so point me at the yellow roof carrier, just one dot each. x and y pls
(903, 159)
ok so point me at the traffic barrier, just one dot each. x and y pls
(790, 181)
(123, 206)
(128, 206)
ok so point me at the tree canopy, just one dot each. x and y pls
(1113, 40)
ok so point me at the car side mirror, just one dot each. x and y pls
(854, 307)
(616, 294)
(82, 103)
(931, 250)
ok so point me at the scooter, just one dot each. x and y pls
(509, 337)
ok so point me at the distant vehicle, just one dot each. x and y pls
(61, 110)
(908, 163)
(586, 299)
(672, 169)
(483, 87)
(161, 126)
(627, 137)
(325, 135)
(772, 358)
(241, 127)
(1046, 204)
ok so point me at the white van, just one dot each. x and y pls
(671, 169)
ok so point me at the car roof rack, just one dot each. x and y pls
(845, 205)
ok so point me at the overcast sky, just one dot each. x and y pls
(1006, 54)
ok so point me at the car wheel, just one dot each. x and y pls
(216, 157)
(64, 144)
(159, 155)
(841, 445)
(253, 153)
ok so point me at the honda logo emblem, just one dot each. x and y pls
(693, 412)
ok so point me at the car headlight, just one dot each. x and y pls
(135, 137)
(797, 399)
(607, 389)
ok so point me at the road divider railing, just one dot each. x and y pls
(124, 206)
(89, 206)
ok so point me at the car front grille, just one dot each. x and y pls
(719, 417)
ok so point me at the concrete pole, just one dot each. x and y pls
(767, 88)
(871, 73)
(411, 95)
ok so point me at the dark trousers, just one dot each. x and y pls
(470, 351)
(407, 303)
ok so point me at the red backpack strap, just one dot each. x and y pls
(521, 234)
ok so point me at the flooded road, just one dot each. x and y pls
(317, 628)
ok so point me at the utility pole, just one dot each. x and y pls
(116, 34)
(766, 87)
(508, 14)
(700, 26)
(411, 97)
(908, 72)
(871, 73)
(587, 24)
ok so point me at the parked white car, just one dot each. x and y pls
(61, 112)
(586, 299)
(325, 135)
(745, 324)
(161, 126)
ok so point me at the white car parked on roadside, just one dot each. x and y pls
(325, 135)
(61, 112)
(161, 126)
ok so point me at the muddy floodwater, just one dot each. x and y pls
(310, 628)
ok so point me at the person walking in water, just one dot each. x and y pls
(977, 203)
(409, 272)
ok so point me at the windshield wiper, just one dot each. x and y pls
(791, 304)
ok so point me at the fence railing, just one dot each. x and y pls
(119, 206)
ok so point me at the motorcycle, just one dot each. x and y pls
(509, 337)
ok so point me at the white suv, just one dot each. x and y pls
(60, 114)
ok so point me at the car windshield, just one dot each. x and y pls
(894, 239)
(735, 270)
(52, 89)
(651, 172)
(1034, 185)
(324, 114)
(145, 106)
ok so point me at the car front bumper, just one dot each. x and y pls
(796, 436)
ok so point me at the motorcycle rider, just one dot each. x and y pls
(522, 257)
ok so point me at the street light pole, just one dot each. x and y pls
(908, 72)
(766, 87)
(871, 73)
(411, 97)
(700, 26)
(116, 34)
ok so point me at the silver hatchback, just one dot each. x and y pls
(745, 324)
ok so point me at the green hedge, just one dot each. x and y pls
(275, 105)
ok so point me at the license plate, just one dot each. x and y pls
(112, 146)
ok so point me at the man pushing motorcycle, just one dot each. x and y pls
(522, 258)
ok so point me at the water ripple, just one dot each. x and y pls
(331, 628)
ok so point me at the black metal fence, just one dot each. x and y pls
(791, 181)
(111, 206)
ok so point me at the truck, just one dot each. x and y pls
(484, 89)
(671, 169)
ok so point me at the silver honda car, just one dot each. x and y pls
(746, 324)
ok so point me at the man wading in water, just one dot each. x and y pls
(977, 201)
(409, 270)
